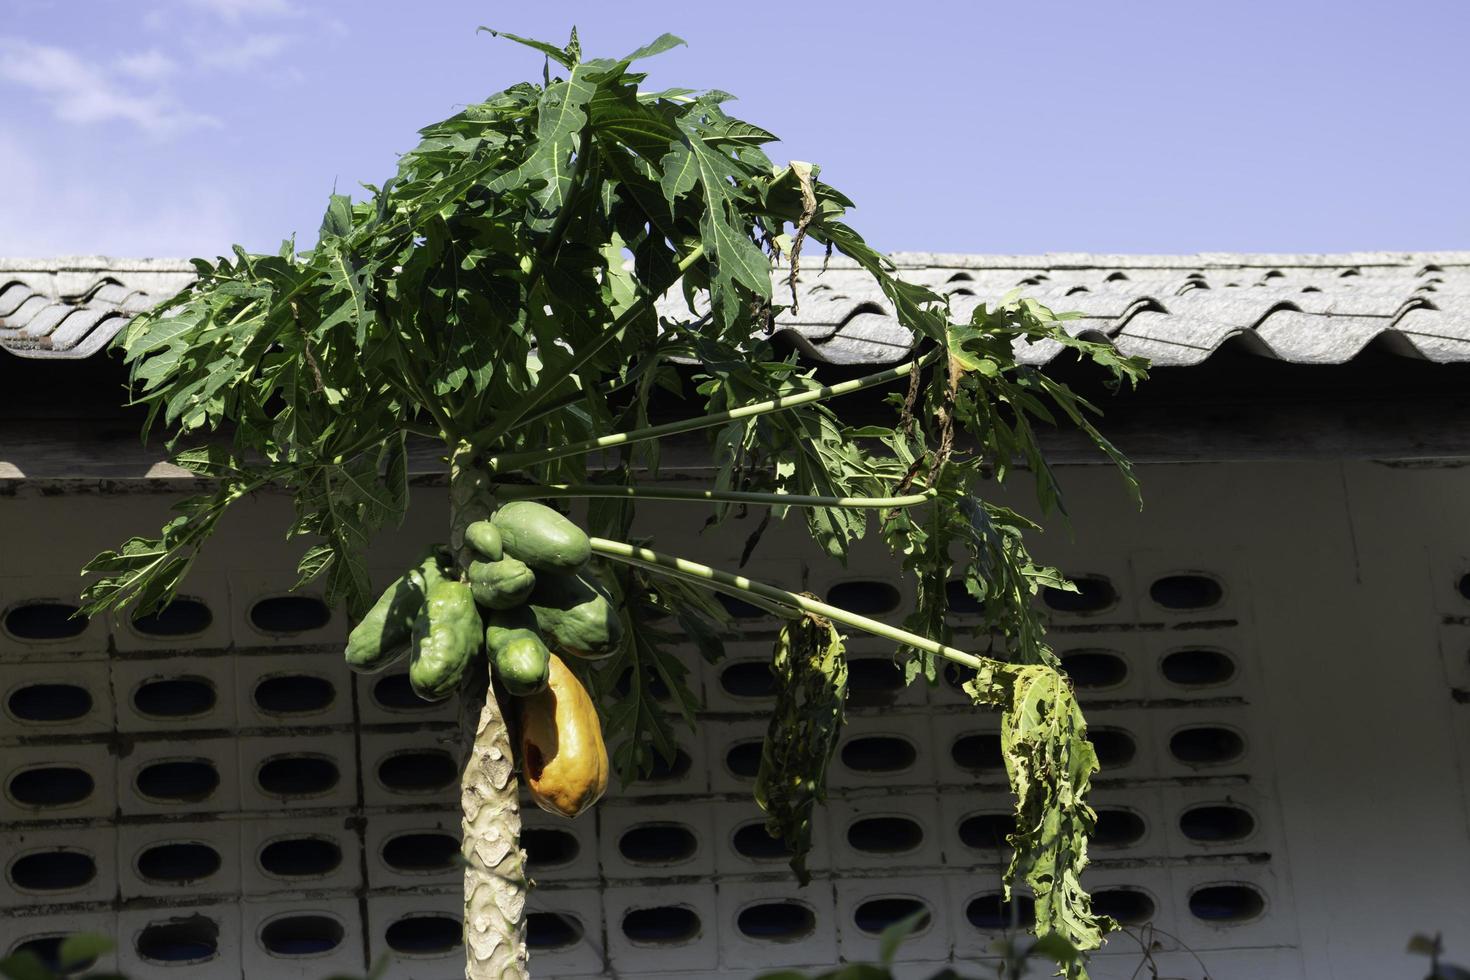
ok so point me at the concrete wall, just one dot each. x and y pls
(1298, 817)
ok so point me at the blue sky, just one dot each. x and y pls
(176, 127)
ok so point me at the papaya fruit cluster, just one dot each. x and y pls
(526, 602)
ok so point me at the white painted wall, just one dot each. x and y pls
(1340, 609)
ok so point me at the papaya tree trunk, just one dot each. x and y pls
(495, 882)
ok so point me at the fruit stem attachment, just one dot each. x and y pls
(515, 491)
(516, 461)
(714, 578)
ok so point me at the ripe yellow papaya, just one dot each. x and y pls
(563, 756)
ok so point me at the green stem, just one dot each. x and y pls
(693, 571)
(774, 608)
(515, 461)
(493, 433)
(515, 491)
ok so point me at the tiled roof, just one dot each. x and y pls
(1175, 310)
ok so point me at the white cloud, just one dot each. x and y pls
(234, 11)
(49, 212)
(148, 66)
(244, 53)
(81, 92)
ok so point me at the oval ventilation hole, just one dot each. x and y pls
(1465, 585)
(51, 786)
(175, 697)
(424, 935)
(1216, 824)
(744, 759)
(1117, 828)
(300, 857)
(426, 771)
(959, 600)
(53, 871)
(978, 753)
(1206, 746)
(426, 852)
(294, 694)
(395, 693)
(49, 702)
(668, 925)
(547, 848)
(44, 621)
(1226, 903)
(780, 922)
(1186, 592)
(289, 614)
(990, 912)
(657, 843)
(879, 753)
(1115, 748)
(1091, 669)
(664, 771)
(739, 608)
(297, 775)
(877, 914)
(987, 831)
(178, 862)
(47, 949)
(748, 679)
(866, 597)
(1128, 906)
(752, 841)
(182, 617)
(552, 930)
(885, 835)
(179, 940)
(1094, 594)
(179, 781)
(301, 935)
(873, 682)
(1197, 668)
(653, 685)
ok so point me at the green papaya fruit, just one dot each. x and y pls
(383, 636)
(576, 615)
(446, 638)
(517, 651)
(502, 584)
(484, 537)
(541, 537)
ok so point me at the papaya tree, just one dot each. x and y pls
(497, 296)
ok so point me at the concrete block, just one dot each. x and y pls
(1233, 905)
(68, 697)
(45, 866)
(412, 850)
(561, 850)
(301, 940)
(564, 932)
(866, 906)
(199, 619)
(661, 928)
(298, 772)
(417, 767)
(177, 776)
(18, 931)
(776, 924)
(656, 841)
(419, 935)
(56, 782)
(36, 623)
(690, 775)
(291, 852)
(903, 832)
(385, 698)
(884, 751)
(182, 941)
(175, 693)
(743, 848)
(289, 690)
(266, 614)
(734, 752)
(179, 861)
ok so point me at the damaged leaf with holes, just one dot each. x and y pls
(810, 666)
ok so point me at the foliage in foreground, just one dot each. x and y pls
(498, 295)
